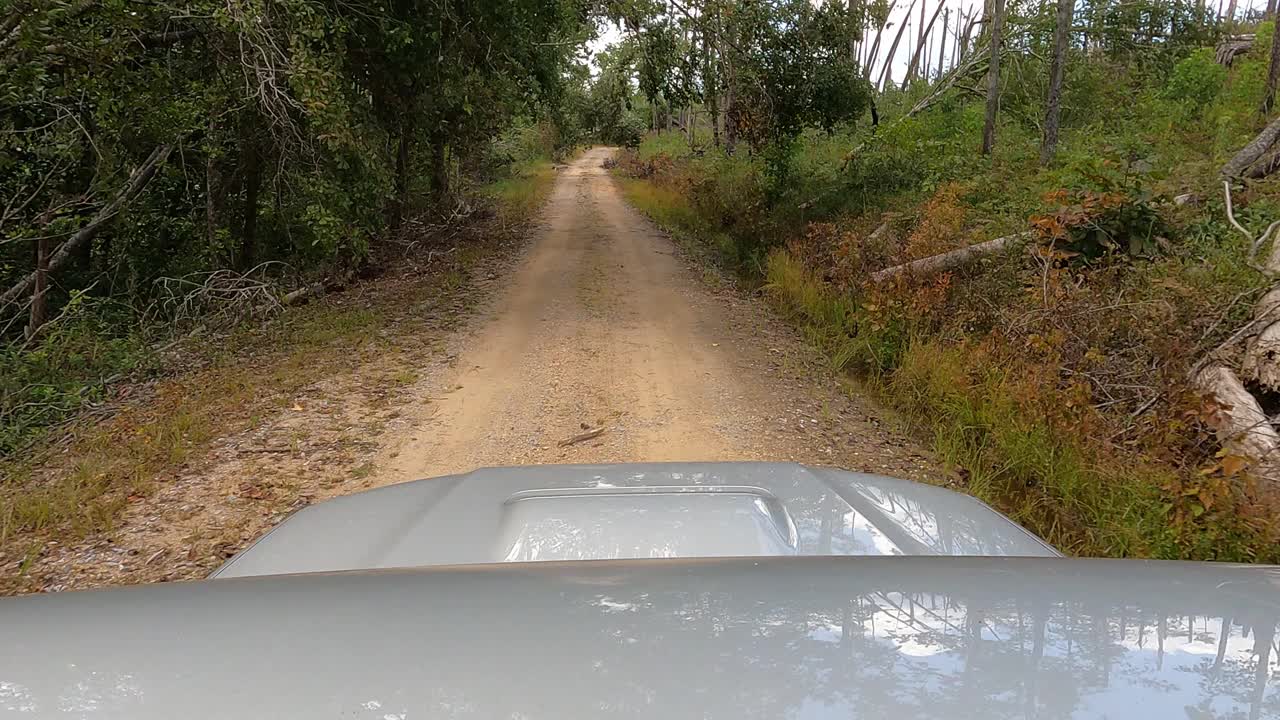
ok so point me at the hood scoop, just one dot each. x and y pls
(673, 521)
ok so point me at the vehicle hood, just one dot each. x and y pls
(808, 638)
(593, 512)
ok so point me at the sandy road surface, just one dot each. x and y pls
(598, 323)
(604, 326)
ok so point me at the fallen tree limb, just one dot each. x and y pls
(1230, 47)
(582, 437)
(138, 180)
(1266, 165)
(1240, 163)
(1240, 425)
(1261, 362)
(302, 294)
(952, 259)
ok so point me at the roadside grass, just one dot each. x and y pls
(523, 191)
(980, 412)
(78, 481)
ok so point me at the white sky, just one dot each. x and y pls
(611, 34)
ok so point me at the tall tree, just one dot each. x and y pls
(942, 42)
(1057, 68)
(885, 74)
(1273, 71)
(993, 78)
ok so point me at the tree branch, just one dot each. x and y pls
(138, 180)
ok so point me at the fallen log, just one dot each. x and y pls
(1240, 163)
(1266, 165)
(952, 259)
(1261, 361)
(1230, 47)
(302, 294)
(1240, 424)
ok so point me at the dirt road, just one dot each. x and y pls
(600, 324)
(603, 326)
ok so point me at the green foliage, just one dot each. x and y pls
(1091, 224)
(47, 380)
(302, 130)
(1196, 80)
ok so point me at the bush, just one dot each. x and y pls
(1197, 80)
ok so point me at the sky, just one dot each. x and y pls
(897, 15)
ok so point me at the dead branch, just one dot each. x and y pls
(218, 299)
(302, 294)
(582, 437)
(1232, 46)
(952, 259)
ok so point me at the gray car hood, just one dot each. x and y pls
(808, 638)
(593, 512)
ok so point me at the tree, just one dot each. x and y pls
(993, 78)
(1273, 68)
(1057, 68)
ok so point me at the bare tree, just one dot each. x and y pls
(993, 78)
(1273, 70)
(1053, 107)
(922, 30)
(893, 48)
(942, 42)
(921, 50)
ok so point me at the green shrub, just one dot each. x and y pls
(1196, 80)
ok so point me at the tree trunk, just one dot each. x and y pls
(39, 303)
(921, 51)
(252, 190)
(1271, 10)
(1261, 362)
(1231, 14)
(1053, 109)
(993, 78)
(1255, 150)
(138, 180)
(439, 169)
(922, 32)
(730, 124)
(1231, 46)
(214, 194)
(403, 164)
(885, 75)
(874, 53)
(942, 42)
(1273, 73)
